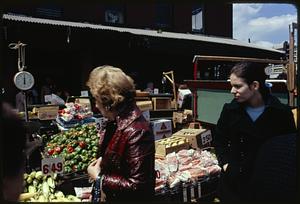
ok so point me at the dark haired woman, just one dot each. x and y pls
(253, 117)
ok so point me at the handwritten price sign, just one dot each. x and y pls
(52, 165)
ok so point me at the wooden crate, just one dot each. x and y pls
(161, 103)
(144, 105)
(142, 93)
(198, 138)
(169, 145)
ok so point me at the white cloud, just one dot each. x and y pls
(241, 15)
(265, 44)
(266, 31)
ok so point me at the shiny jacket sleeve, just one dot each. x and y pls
(140, 159)
(222, 137)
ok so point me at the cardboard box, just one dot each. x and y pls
(84, 102)
(47, 112)
(161, 103)
(198, 138)
(161, 128)
(169, 145)
(146, 115)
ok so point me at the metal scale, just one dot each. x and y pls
(24, 81)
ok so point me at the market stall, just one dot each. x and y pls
(185, 164)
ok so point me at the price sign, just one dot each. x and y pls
(100, 123)
(84, 93)
(206, 138)
(52, 165)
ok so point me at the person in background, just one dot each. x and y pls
(150, 87)
(125, 169)
(253, 117)
(32, 98)
(13, 142)
(63, 94)
(47, 89)
(274, 176)
(20, 101)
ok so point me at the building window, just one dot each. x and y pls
(197, 23)
(163, 14)
(114, 15)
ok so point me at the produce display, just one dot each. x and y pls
(184, 166)
(41, 188)
(175, 164)
(171, 141)
(78, 147)
(74, 111)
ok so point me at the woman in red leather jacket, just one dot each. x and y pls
(125, 168)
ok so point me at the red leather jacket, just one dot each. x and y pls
(128, 162)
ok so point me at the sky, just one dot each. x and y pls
(265, 24)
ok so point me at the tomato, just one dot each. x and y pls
(50, 151)
(74, 167)
(82, 144)
(57, 149)
(70, 149)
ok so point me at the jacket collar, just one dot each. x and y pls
(272, 101)
(127, 116)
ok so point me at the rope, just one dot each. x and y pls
(21, 54)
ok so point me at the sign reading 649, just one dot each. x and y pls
(52, 165)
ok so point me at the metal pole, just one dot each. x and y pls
(195, 108)
(25, 106)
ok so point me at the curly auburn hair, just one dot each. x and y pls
(110, 86)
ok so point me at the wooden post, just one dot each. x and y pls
(291, 67)
(172, 80)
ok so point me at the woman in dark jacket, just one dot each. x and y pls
(253, 117)
(125, 168)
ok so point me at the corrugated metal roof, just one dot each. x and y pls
(152, 33)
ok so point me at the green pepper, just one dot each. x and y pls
(77, 149)
(84, 166)
(87, 140)
(84, 158)
(95, 149)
